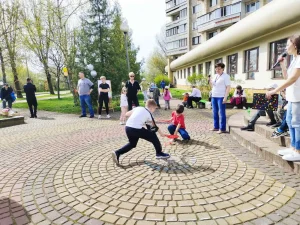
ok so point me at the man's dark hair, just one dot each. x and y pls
(239, 87)
(179, 109)
(28, 79)
(222, 65)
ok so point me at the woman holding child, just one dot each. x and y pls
(292, 86)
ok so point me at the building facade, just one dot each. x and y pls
(244, 34)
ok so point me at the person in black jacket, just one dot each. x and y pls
(6, 96)
(30, 90)
(133, 87)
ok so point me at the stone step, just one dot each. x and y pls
(259, 144)
(262, 129)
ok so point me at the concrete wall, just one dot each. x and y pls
(264, 76)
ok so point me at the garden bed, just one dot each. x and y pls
(11, 121)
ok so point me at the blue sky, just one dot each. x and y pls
(145, 18)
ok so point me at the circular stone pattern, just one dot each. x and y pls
(200, 181)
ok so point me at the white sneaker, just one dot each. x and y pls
(244, 107)
(234, 107)
(108, 116)
(99, 117)
(286, 151)
(292, 157)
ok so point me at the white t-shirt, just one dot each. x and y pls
(196, 93)
(138, 118)
(220, 83)
(123, 101)
(293, 91)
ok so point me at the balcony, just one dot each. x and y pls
(219, 22)
(176, 22)
(174, 6)
(220, 17)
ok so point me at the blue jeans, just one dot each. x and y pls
(283, 127)
(86, 100)
(219, 113)
(293, 121)
(184, 134)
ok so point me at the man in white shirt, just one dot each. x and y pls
(195, 96)
(135, 130)
(221, 85)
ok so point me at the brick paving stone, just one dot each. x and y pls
(208, 180)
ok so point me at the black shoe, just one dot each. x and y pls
(162, 155)
(271, 123)
(31, 117)
(82, 116)
(35, 116)
(92, 116)
(115, 157)
(248, 128)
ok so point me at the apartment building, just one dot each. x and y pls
(246, 35)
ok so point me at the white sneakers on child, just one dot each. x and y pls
(108, 116)
(244, 107)
(99, 117)
(235, 107)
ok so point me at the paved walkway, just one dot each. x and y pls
(58, 170)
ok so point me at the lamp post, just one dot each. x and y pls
(125, 28)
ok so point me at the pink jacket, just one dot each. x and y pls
(167, 96)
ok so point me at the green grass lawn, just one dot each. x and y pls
(66, 105)
(178, 93)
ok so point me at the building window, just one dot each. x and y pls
(213, 3)
(196, 9)
(253, 6)
(188, 71)
(195, 25)
(208, 68)
(180, 74)
(184, 73)
(220, 60)
(232, 64)
(183, 42)
(212, 34)
(200, 68)
(196, 40)
(194, 69)
(251, 62)
(183, 13)
(276, 49)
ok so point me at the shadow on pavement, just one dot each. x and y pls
(13, 213)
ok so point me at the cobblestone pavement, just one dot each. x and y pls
(58, 170)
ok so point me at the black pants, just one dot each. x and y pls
(191, 99)
(32, 102)
(262, 113)
(103, 98)
(134, 135)
(132, 99)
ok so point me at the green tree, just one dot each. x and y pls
(37, 23)
(10, 29)
(156, 64)
(101, 43)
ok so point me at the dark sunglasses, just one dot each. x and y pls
(131, 76)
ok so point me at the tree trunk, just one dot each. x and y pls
(58, 76)
(16, 79)
(2, 66)
(72, 88)
(48, 75)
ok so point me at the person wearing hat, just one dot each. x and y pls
(260, 113)
(145, 86)
(167, 97)
(6, 96)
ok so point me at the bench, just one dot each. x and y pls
(201, 104)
